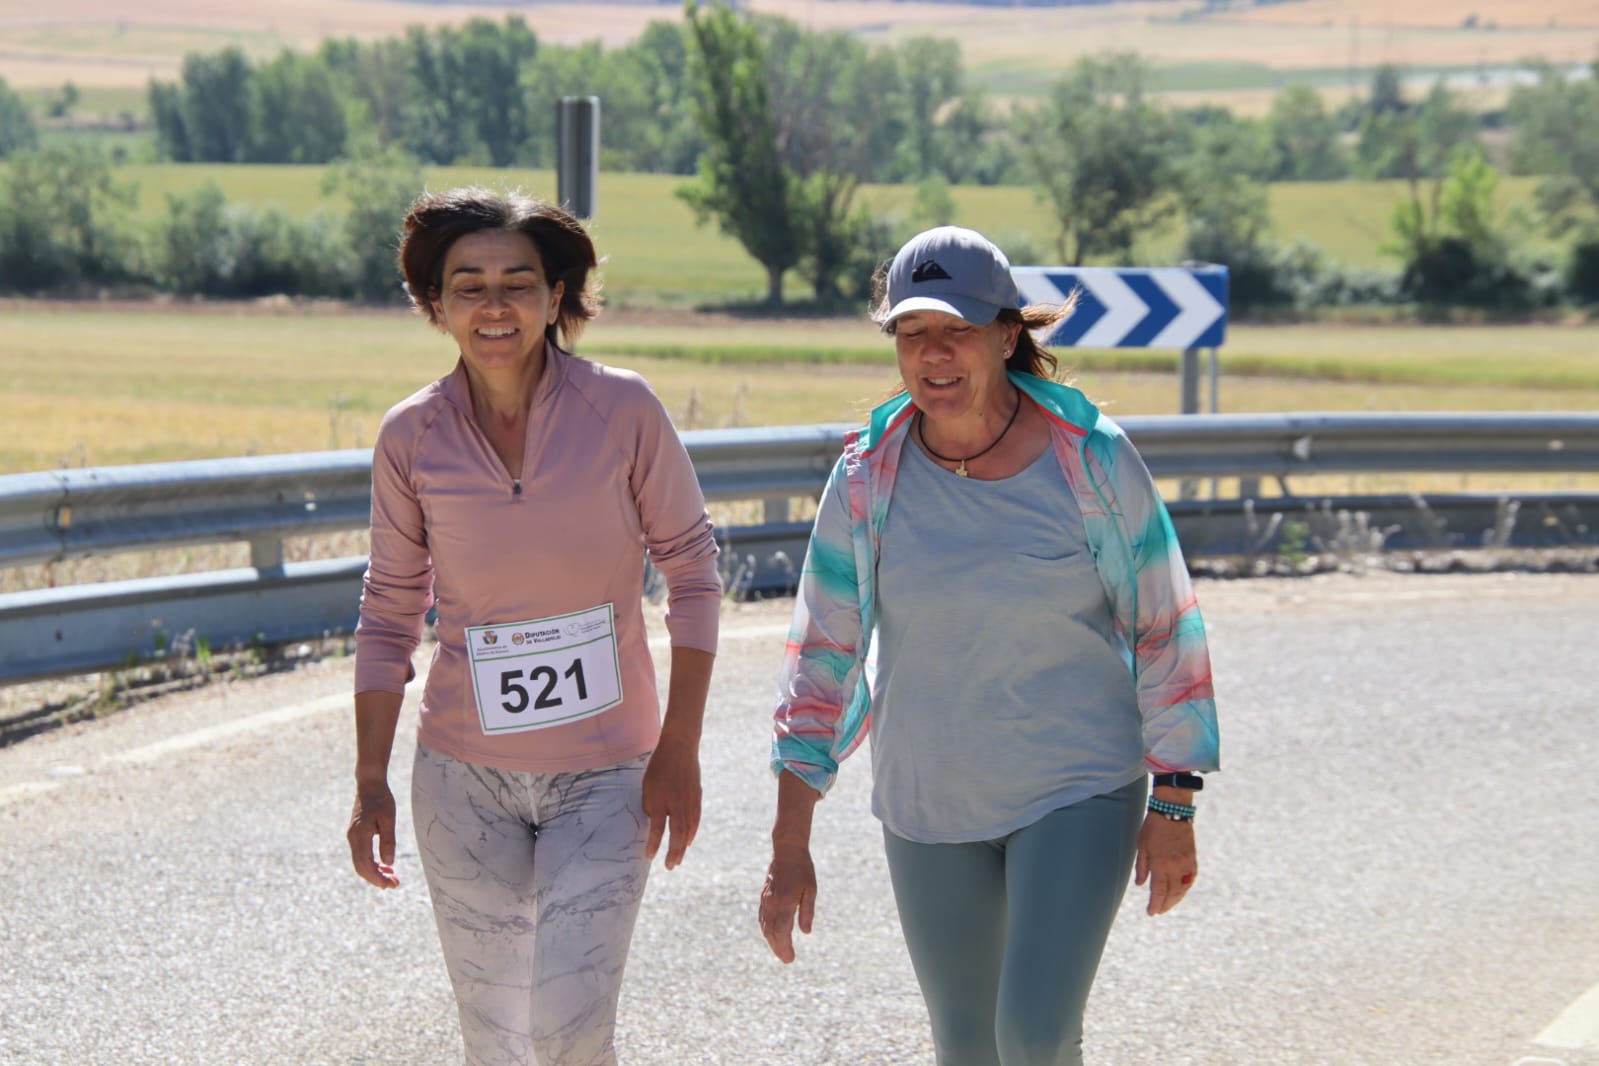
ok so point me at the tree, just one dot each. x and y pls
(434, 111)
(1412, 142)
(298, 112)
(1102, 153)
(1225, 209)
(643, 123)
(380, 183)
(1246, 144)
(65, 221)
(210, 247)
(376, 82)
(930, 83)
(1557, 136)
(743, 181)
(835, 106)
(485, 61)
(1306, 137)
(1387, 91)
(1454, 250)
(62, 105)
(978, 147)
(465, 97)
(655, 130)
(217, 106)
(166, 114)
(675, 140)
(18, 131)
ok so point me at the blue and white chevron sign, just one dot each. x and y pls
(1161, 307)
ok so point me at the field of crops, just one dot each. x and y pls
(98, 385)
(1246, 52)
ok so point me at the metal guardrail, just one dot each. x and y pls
(71, 514)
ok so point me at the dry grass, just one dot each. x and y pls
(152, 385)
(220, 381)
(101, 44)
(1441, 14)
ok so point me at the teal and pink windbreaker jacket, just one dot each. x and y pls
(824, 709)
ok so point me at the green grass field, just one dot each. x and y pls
(657, 255)
(93, 385)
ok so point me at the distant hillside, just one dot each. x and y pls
(1234, 53)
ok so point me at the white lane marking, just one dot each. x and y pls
(1577, 1027)
(223, 730)
(160, 749)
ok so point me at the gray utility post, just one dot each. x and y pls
(577, 154)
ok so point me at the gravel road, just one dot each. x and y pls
(1400, 865)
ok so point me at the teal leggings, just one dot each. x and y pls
(1006, 935)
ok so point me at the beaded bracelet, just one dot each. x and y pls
(1177, 812)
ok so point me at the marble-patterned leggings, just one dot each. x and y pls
(536, 881)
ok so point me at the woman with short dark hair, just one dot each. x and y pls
(518, 496)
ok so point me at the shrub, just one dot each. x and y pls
(66, 224)
(1582, 272)
(209, 247)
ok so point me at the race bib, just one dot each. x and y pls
(546, 672)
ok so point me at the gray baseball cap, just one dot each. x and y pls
(950, 269)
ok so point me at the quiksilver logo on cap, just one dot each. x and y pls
(929, 270)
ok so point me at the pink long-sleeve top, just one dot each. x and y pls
(605, 478)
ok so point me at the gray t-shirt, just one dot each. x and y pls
(1001, 693)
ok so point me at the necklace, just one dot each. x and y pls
(921, 431)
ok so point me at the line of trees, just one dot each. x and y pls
(790, 118)
(779, 128)
(485, 93)
(69, 225)
(18, 130)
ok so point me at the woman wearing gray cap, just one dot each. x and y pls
(995, 592)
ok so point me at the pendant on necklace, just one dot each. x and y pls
(961, 470)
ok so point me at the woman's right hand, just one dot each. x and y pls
(790, 891)
(373, 816)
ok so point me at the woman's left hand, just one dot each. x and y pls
(672, 799)
(1167, 860)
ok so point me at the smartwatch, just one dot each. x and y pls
(1193, 782)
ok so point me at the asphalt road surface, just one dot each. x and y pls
(1399, 865)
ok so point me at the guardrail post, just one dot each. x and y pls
(266, 554)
